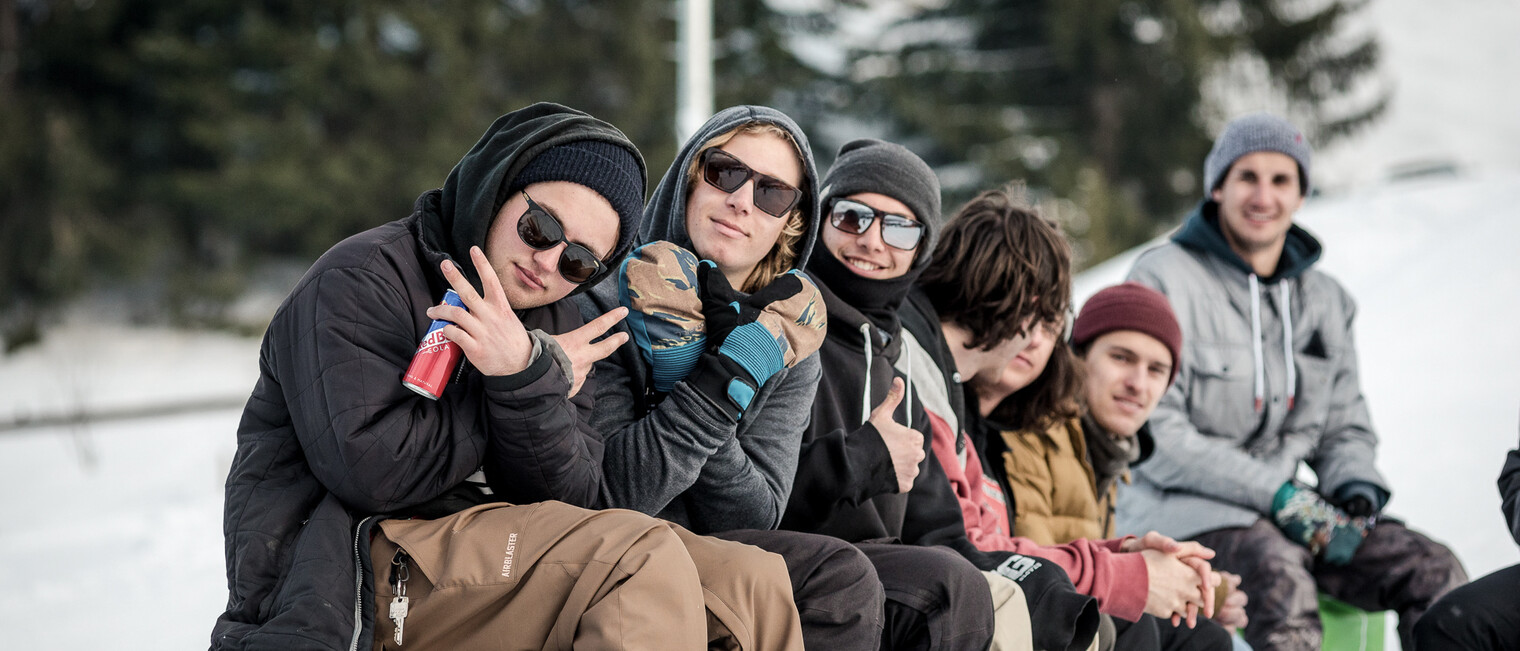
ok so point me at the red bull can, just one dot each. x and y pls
(437, 358)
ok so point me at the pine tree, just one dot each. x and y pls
(1100, 104)
(180, 144)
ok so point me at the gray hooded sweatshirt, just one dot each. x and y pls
(1268, 378)
(682, 460)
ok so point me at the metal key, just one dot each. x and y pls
(400, 604)
(398, 615)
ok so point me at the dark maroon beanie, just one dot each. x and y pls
(1130, 306)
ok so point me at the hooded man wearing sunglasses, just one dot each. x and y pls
(741, 195)
(336, 455)
(864, 472)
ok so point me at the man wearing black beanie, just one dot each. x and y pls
(352, 497)
(865, 474)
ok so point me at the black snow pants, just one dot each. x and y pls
(1394, 569)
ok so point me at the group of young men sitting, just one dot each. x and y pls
(773, 409)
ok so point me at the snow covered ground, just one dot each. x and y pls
(1455, 73)
(112, 531)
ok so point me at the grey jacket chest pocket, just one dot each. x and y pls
(1221, 392)
(1311, 401)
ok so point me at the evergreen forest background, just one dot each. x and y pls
(177, 151)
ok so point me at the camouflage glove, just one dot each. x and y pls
(658, 285)
(1307, 519)
(751, 337)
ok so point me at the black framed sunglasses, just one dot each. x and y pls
(539, 229)
(727, 173)
(854, 217)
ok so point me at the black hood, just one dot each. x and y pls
(877, 300)
(458, 216)
(845, 320)
(1201, 231)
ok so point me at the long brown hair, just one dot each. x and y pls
(997, 264)
(783, 254)
(1051, 397)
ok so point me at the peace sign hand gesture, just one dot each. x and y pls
(486, 329)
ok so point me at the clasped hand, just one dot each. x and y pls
(1180, 580)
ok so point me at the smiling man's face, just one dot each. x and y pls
(1257, 200)
(1126, 374)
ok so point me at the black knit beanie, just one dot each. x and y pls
(870, 165)
(610, 170)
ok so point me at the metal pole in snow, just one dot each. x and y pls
(694, 76)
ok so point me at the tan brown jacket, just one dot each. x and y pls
(1054, 488)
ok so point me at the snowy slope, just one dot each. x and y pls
(124, 551)
(112, 531)
(1455, 73)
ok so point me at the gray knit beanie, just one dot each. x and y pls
(870, 165)
(1252, 133)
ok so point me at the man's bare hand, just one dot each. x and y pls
(584, 351)
(1232, 614)
(1190, 553)
(1160, 543)
(489, 332)
(905, 444)
(1173, 588)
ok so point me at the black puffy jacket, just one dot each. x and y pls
(330, 436)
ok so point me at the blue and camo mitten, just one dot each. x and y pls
(658, 285)
(752, 337)
(1308, 519)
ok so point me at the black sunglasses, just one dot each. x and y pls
(539, 229)
(725, 172)
(854, 217)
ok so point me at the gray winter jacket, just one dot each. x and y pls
(682, 460)
(1240, 417)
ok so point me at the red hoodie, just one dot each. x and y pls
(1118, 581)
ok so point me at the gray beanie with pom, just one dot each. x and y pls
(1252, 133)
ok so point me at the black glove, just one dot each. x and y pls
(1357, 507)
(752, 337)
(1359, 499)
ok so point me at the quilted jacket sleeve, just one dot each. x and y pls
(344, 339)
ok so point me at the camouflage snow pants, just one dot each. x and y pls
(1394, 569)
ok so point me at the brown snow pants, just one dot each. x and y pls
(553, 576)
